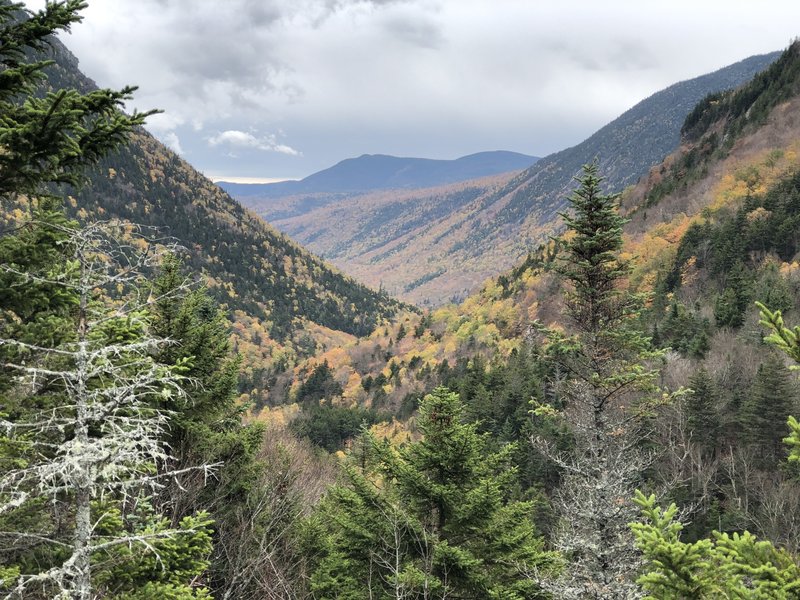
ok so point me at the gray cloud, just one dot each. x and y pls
(438, 78)
(419, 32)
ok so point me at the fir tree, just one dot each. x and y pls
(206, 425)
(97, 434)
(50, 138)
(80, 432)
(430, 520)
(765, 411)
(46, 139)
(725, 566)
(701, 410)
(608, 382)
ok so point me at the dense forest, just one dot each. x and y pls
(610, 419)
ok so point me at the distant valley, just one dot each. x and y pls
(437, 244)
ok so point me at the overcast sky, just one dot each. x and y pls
(283, 88)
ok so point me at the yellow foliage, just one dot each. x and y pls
(396, 432)
(278, 415)
(759, 214)
(353, 393)
(789, 269)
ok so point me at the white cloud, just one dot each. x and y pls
(241, 139)
(172, 141)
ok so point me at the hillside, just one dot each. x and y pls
(287, 299)
(705, 244)
(380, 172)
(445, 256)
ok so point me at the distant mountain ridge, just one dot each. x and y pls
(734, 179)
(491, 224)
(381, 171)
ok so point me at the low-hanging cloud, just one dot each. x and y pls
(173, 142)
(242, 139)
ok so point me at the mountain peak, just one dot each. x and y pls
(384, 171)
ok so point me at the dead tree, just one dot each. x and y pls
(102, 436)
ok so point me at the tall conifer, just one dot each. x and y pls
(606, 358)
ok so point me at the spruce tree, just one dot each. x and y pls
(430, 520)
(722, 566)
(207, 427)
(82, 451)
(50, 138)
(47, 139)
(80, 431)
(608, 385)
(701, 410)
(765, 410)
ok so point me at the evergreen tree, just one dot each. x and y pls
(765, 410)
(701, 410)
(608, 382)
(46, 139)
(788, 341)
(430, 520)
(50, 138)
(725, 566)
(320, 386)
(206, 425)
(80, 434)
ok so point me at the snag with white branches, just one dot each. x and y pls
(93, 429)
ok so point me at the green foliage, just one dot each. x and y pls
(319, 387)
(730, 307)
(257, 269)
(434, 515)
(737, 565)
(765, 410)
(793, 440)
(788, 341)
(683, 330)
(749, 105)
(701, 410)
(726, 566)
(606, 371)
(329, 427)
(785, 339)
(46, 140)
(85, 428)
(590, 261)
(763, 225)
(163, 565)
(206, 424)
(498, 398)
(608, 351)
(50, 139)
(721, 118)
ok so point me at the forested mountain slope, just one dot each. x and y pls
(706, 241)
(713, 229)
(284, 297)
(489, 225)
